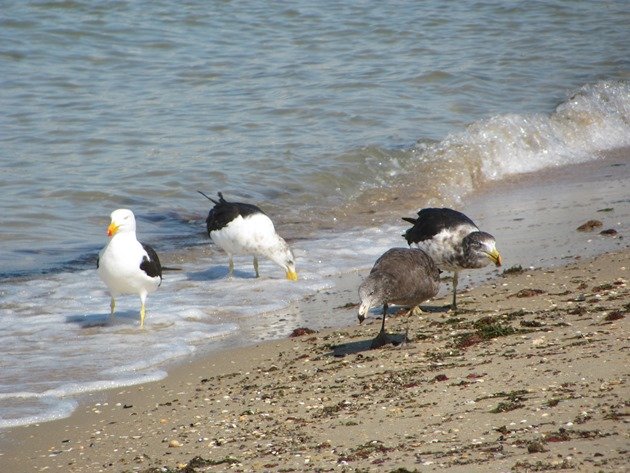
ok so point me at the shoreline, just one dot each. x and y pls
(324, 402)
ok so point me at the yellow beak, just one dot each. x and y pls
(495, 256)
(112, 229)
(292, 275)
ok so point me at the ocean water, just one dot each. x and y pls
(336, 119)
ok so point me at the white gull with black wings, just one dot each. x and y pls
(453, 241)
(125, 265)
(401, 276)
(244, 229)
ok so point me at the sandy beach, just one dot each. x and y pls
(530, 374)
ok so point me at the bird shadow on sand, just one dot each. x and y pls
(397, 339)
(436, 309)
(123, 318)
(352, 348)
(218, 272)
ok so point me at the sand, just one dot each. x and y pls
(531, 374)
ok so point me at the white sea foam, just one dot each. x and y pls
(45, 410)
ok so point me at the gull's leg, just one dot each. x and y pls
(455, 281)
(382, 338)
(112, 306)
(230, 266)
(143, 298)
(256, 266)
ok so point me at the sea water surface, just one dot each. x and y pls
(335, 118)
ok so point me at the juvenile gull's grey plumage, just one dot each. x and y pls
(240, 228)
(401, 276)
(453, 241)
(125, 265)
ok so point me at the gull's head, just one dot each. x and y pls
(281, 254)
(289, 265)
(290, 271)
(480, 249)
(122, 220)
(371, 294)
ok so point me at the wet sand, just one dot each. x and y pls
(529, 375)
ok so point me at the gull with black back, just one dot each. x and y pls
(125, 265)
(453, 241)
(244, 229)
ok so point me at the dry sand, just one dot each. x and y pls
(530, 375)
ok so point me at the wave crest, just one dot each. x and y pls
(595, 118)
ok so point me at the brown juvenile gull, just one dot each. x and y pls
(401, 276)
(125, 265)
(453, 241)
(240, 228)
